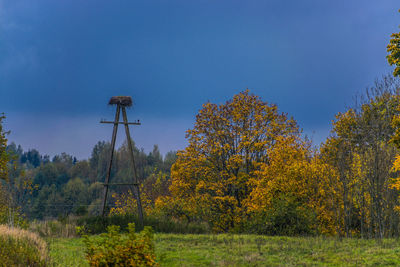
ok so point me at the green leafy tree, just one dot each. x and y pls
(76, 196)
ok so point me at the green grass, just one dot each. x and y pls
(67, 251)
(250, 250)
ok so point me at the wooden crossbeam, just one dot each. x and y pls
(121, 122)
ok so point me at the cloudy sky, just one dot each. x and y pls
(61, 61)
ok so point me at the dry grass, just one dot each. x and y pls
(54, 228)
(22, 235)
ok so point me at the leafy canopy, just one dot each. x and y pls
(213, 177)
(393, 49)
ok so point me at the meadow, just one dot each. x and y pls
(249, 250)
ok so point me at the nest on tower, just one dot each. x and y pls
(125, 101)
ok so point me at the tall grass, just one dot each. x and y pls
(99, 224)
(21, 248)
(54, 228)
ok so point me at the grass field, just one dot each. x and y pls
(250, 250)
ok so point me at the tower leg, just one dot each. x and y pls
(114, 137)
(135, 177)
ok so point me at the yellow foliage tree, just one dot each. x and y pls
(213, 178)
(360, 151)
(299, 175)
(393, 49)
(393, 58)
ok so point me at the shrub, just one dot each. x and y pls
(286, 216)
(21, 248)
(114, 249)
(99, 224)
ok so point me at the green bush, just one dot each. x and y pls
(286, 216)
(114, 249)
(21, 248)
(99, 224)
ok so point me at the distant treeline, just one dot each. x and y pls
(49, 188)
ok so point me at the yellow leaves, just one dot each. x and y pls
(124, 204)
(287, 172)
(396, 181)
(396, 140)
(344, 123)
(228, 147)
(396, 164)
(396, 125)
(151, 188)
(393, 48)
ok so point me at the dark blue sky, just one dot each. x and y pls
(60, 62)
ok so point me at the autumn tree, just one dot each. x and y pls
(393, 49)
(284, 198)
(361, 151)
(214, 175)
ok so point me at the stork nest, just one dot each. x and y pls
(125, 101)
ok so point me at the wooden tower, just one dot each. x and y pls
(122, 102)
